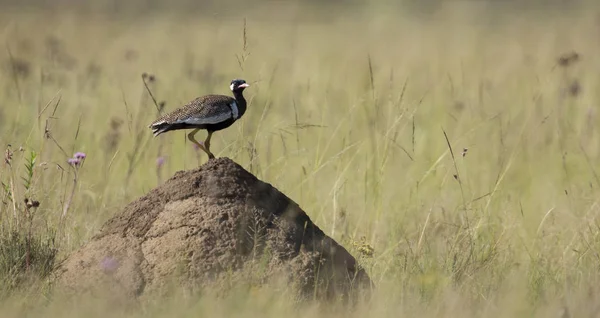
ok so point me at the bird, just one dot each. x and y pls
(209, 112)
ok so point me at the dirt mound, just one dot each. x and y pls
(201, 224)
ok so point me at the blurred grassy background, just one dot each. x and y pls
(442, 142)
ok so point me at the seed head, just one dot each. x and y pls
(31, 203)
(79, 155)
(567, 59)
(160, 161)
(74, 162)
(8, 154)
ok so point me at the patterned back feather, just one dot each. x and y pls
(202, 107)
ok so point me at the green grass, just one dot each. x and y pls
(444, 151)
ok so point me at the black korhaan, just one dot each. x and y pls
(209, 112)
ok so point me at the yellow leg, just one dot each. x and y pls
(207, 145)
(192, 139)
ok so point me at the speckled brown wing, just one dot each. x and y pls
(216, 107)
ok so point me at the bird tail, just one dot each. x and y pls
(160, 128)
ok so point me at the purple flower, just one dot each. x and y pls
(109, 264)
(160, 161)
(79, 155)
(196, 147)
(74, 162)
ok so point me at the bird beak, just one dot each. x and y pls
(243, 85)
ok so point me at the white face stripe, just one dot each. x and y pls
(234, 110)
(231, 87)
(206, 121)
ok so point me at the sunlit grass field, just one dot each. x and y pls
(456, 153)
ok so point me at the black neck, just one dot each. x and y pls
(241, 101)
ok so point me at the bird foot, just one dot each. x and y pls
(210, 154)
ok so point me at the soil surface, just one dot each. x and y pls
(203, 224)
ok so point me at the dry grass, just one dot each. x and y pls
(453, 144)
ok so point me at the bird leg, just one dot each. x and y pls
(207, 145)
(193, 140)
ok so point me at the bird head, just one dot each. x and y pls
(238, 85)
